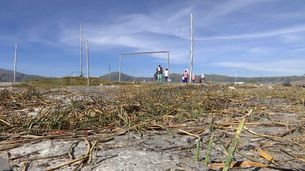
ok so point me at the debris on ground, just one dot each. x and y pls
(153, 127)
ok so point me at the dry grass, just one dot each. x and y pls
(137, 106)
(65, 81)
(41, 111)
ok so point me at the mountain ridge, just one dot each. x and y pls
(176, 77)
(8, 76)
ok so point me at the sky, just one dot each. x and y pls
(243, 37)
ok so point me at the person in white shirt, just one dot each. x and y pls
(202, 78)
(166, 74)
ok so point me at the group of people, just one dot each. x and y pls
(159, 74)
(185, 75)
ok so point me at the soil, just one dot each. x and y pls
(278, 133)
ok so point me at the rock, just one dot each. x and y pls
(187, 139)
(4, 165)
(232, 88)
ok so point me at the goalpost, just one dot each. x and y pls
(141, 53)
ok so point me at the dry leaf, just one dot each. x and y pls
(265, 155)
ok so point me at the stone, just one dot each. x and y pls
(4, 165)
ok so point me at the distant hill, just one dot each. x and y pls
(8, 76)
(279, 79)
(114, 76)
(175, 77)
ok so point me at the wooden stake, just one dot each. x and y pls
(87, 57)
(15, 61)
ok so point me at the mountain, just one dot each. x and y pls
(114, 76)
(175, 77)
(8, 76)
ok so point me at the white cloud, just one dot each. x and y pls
(284, 67)
(263, 34)
(123, 31)
(291, 38)
(228, 7)
(167, 21)
(167, 28)
(141, 32)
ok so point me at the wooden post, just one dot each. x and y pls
(15, 61)
(120, 65)
(87, 57)
(109, 70)
(81, 50)
(191, 54)
(168, 64)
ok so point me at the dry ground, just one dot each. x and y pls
(153, 127)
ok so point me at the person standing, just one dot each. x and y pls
(159, 73)
(166, 74)
(185, 76)
(193, 78)
(202, 78)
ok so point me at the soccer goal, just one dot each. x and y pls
(141, 53)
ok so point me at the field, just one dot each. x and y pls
(152, 126)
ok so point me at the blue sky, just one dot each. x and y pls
(250, 37)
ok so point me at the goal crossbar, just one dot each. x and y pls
(141, 53)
